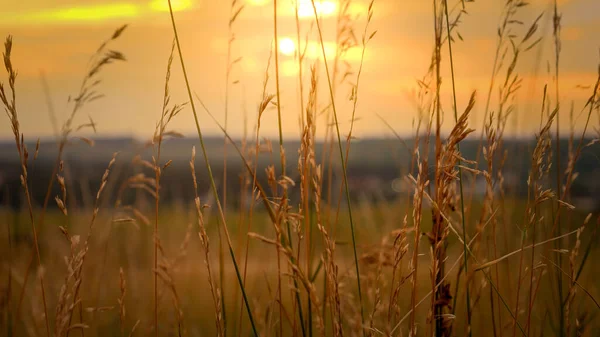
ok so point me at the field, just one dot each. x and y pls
(458, 229)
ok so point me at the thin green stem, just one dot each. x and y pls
(460, 180)
(210, 174)
(343, 163)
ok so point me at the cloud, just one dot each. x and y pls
(95, 12)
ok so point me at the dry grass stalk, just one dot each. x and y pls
(400, 249)
(345, 40)
(87, 94)
(284, 197)
(331, 84)
(376, 280)
(162, 270)
(214, 289)
(65, 307)
(592, 104)
(493, 183)
(509, 22)
(540, 166)
(410, 313)
(338, 296)
(234, 12)
(165, 272)
(439, 229)
(331, 268)
(10, 107)
(446, 179)
(69, 297)
(300, 276)
(347, 44)
(449, 39)
(307, 167)
(572, 288)
(422, 182)
(265, 102)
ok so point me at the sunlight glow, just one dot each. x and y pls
(289, 68)
(258, 2)
(163, 5)
(314, 51)
(324, 8)
(287, 46)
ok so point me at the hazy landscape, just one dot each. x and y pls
(321, 206)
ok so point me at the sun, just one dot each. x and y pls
(287, 46)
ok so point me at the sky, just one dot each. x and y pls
(54, 39)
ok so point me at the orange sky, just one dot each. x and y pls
(57, 37)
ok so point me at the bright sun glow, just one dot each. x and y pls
(324, 8)
(314, 51)
(305, 7)
(287, 46)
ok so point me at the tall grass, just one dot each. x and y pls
(440, 259)
(210, 175)
(343, 163)
(460, 179)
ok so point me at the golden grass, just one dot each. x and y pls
(307, 266)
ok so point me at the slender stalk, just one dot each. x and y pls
(252, 173)
(307, 224)
(559, 277)
(277, 87)
(210, 174)
(49, 189)
(85, 95)
(281, 152)
(306, 173)
(9, 314)
(488, 99)
(10, 107)
(460, 180)
(155, 234)
(37, 252)
(343, 163)
(438, 255)
(300, 56)
(273, 216)
(591, 103)
(224, 191)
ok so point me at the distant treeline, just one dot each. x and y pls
(380, 160)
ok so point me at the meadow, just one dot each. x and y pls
(325, 235)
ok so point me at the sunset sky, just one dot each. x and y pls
(57, 37)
